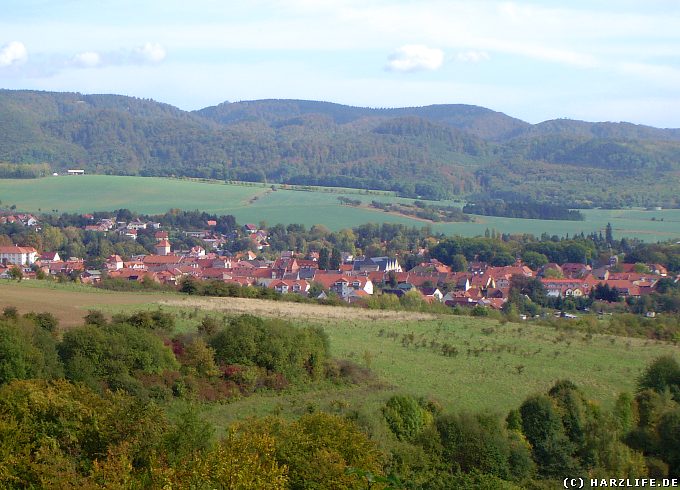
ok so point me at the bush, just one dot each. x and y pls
(405, 416)
(480, 311)
(148, 320)
(661, 375)
(320, 450)
(112, 354)
(346, 371)
(27, 351)
(274, 345)
(209, 326)
(46, 321)
(475, 443)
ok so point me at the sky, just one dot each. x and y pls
(596, 60)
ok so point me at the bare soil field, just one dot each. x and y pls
(68, 304)
(286, 310)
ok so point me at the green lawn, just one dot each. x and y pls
(255, 203)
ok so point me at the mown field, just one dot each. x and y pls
(489, 366)
(259, 203)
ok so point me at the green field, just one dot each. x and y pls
(492, 371)
(255, 203)
(495, 368)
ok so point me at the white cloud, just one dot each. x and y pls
(13, 53)
(147, 54)
(88, 59)
(150, 53)
(415, 57)
(472, 56)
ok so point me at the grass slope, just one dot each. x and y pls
(495, 368)
(259, 203)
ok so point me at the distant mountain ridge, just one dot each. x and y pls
(466, 117)
(432, 151)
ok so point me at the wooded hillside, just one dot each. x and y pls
(434, 152)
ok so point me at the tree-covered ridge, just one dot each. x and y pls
(477, 121)
(444, 149)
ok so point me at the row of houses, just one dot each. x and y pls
(356, 278)
(481, 284)
(30, 262)
(21, 219)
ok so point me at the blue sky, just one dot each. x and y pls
(536, 60)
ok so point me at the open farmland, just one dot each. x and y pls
(463, 362)
(255, 203)
(68, 302)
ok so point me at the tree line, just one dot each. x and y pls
(522, 209)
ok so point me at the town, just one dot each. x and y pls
(319, 274)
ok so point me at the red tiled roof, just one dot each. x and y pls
(17, 250)
(161, 259)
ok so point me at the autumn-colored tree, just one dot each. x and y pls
(319, 449)
(199, 358)
(240, 461)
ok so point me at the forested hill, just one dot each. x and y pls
(434, 151)
(477, 121)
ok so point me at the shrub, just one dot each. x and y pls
(405, 416)
(274, 345)
(112, 353)
(209, 326)
(475, 443)
(662, 374)
(46, 321)
(27, 351)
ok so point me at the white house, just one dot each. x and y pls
(18, 255)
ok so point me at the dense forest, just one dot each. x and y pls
(434, 152)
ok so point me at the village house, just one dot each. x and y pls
(136, 225)
(47, 257)
(22, 219)
(113, 263)
(284, 287)
(432, 293)
(561, 288)
(342, 285)
(381, 264)
(18, 255)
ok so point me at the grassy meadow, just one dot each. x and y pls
(258, 202)
(489, 366)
